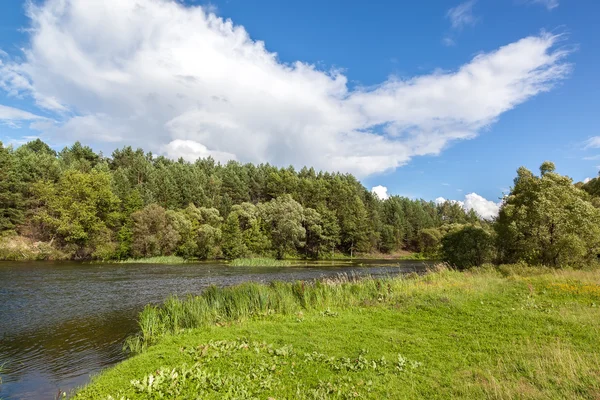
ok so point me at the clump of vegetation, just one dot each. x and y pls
(155, 260)
(508, 332)
(18, 248)
(259, 262)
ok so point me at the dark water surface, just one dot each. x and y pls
(62, 322)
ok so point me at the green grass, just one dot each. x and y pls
(505, 333)
(259, 262)
(154, 260)
(415, 256)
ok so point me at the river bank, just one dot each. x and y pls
(493, 333)
(62, 322)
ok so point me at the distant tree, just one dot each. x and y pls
(79, 157)
(430, 242)
(283, 217)
(330, 234)
(153, 232)
(467, 247)
(315, 238)
(233, 242)
(11, 199)
(255, 239)
(78, 211)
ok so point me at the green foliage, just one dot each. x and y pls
(233, 243)
(153, 232)
(259, 262)
(467, 247)
(284, 217)
(11, 201)
(547, 220)
(78, 211)
(430, 240)
(280, 211)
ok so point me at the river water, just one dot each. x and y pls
(62, 322)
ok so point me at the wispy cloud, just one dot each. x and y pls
(462, 15)
(549, 4)
(592, 143)
(13, 116)
(192, 84)
(448, 41)
(589, 158)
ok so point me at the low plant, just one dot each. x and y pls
(155, 260)
(259, 262)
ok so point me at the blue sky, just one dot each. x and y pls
(378, 92)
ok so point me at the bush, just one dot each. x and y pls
(467, 247)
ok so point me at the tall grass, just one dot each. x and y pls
(259, 262)
(2, 369)
(154, 260)
(221, 305)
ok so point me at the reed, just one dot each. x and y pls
(259, 262)
(154, 260)
(247, 300)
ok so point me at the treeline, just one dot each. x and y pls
(82, 205)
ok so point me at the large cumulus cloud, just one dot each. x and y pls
(181, 81)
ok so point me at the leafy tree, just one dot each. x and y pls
(78, 211)
(153, 232)
(330, 232)
(283, 217)
(233, 242)
(430, 241)
(547, 220)
(467, 247)
(255, 239)
(313, 225)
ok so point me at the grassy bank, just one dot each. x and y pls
(490, 333)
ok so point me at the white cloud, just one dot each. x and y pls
(177, 80)
(586, 180)
(549, 4)
(191, 151)
(441, 200)
(484, 208)
(462, 15)
(592, 143)
(11, 115)
(381, 192)
(589, 158)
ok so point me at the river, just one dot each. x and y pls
(62, 322)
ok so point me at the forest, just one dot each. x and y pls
(79, 204)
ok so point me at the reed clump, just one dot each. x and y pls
(155, 260)
(259, 262)
(220, 305)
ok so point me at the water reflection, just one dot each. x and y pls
(61, 322)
